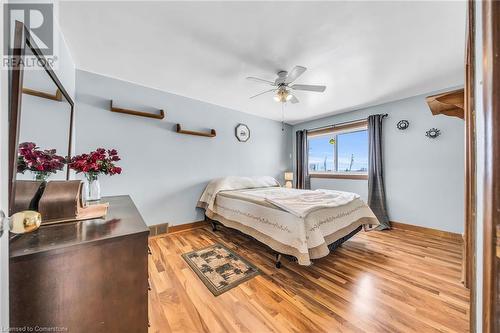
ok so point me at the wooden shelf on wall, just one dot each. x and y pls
(450, 103)
(112, 108)
(56, 97)
(206, 134)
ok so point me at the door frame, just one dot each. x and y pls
(491, 110)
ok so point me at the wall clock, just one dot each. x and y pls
(242, 132)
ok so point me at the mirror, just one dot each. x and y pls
(41, 127)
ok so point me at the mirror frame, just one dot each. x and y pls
(22, 34)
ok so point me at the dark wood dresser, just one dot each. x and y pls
(86, 276)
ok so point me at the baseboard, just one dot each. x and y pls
(429, 231)
(187, 226)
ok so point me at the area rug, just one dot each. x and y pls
(219, 268)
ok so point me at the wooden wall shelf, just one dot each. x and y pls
(56, 97)
(450, 103)
(210, 135)
(161, 115)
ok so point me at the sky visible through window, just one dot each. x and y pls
(353, 145)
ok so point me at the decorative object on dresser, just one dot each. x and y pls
(61, 202)
(242, 132)
(219, 268)
(28, 193)
(433, 133)
(100, 161)
(211, 134)
(403, 124)
(85, 276)
(161, 114)
(288, 179)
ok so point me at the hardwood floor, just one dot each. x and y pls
(390, 281)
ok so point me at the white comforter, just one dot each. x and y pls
(302, 202)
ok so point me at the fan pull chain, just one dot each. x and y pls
(282, 117)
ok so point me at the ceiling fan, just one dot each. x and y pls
(283, 89)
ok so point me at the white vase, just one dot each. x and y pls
(92, 189)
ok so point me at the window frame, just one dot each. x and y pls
(339, 129)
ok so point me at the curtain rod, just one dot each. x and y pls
(343, 123)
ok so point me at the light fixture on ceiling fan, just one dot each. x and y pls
(282, 87)
(283, 96)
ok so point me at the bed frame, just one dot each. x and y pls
(332, 247)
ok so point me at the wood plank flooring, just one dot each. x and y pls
(390, 281)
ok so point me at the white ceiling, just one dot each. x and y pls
(366, 53)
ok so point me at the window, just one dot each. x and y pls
(340, 152)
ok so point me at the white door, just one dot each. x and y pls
(4, 254)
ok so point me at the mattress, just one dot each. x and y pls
(304, 238)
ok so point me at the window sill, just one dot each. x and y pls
(339, 176)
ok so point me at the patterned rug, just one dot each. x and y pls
(219, 268)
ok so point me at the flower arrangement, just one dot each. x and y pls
(41, 162)
(99, 161)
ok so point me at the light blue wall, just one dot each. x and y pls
(166, 172)
(424, 178)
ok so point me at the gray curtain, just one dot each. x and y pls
(376, 189)
(303, 181)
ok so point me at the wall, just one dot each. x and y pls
(424, 178)
(166, 172)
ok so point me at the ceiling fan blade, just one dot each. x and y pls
(262, 93)
(294, 100)
(308, 87)
(295, 73)
(256, 79)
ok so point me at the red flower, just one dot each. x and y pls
(96, 162)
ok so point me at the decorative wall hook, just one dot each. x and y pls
(433, 133)
(403, 124)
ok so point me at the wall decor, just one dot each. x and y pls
(242, 132)
(210, 134)
(403, 124)
(160, 115)
(433, 133)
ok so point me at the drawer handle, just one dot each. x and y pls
(149, 251)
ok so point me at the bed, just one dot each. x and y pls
(304, 224)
